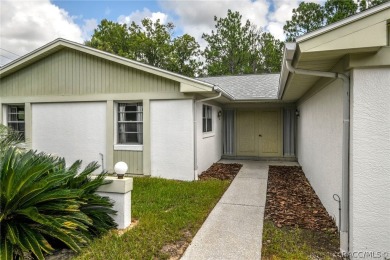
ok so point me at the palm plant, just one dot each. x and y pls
(8, 137)
(97, 208)
(41, 200)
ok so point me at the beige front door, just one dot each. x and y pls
(259, 133)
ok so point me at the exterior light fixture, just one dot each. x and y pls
(120, 169)
(297, 113)
(219, 114)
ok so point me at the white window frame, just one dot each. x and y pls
(205, 117)
(6, 122)
(125, 146)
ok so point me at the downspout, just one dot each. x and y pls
(344, 221)
(195, 132)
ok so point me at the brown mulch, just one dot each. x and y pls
(221, 171)
(291, 201)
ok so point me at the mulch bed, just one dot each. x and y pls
(221, 171)
(291, 201)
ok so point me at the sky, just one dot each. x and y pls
(27, 25)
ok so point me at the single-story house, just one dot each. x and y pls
(329, 109)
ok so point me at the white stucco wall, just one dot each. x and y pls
(370, 161)
(76, 131)
(172, 143)
(209, 145)
(319, 143)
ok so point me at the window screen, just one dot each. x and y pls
(207, 118)
(15, 119)
(130, 123)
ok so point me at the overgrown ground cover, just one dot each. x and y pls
(296, 224)
(297, 243)
(168, 213)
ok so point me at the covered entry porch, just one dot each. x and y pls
(256, 123)
(259, 132)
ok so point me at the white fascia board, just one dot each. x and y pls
(31, 56)
(344, 22)
(224, 93)
(288, 55)
(191, 88)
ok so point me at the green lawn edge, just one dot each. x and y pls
(168, 212)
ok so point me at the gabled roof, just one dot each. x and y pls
(187, 84)
(247, 87)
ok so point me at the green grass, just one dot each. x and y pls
(296, 243)
(166, 211)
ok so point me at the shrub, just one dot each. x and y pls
(97, 208)
(42, 201)
(8, 138)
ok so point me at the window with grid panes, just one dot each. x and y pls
(130, 123)
(15, 119)
(207, 118)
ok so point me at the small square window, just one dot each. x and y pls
(15, 119)
(207, 118)
(130, 123)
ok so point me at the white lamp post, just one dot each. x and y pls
(119, 191)
(120, 169)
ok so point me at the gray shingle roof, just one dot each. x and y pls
(247, 87)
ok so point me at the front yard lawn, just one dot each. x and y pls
(168, 215)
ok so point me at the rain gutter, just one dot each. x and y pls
(344, 221)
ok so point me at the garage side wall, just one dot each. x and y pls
(319, 138)
(370, 160)
(76, 131)
(209, 145)
(172, 139)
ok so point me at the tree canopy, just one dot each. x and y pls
(233, 48)
(240, 48)
(366, 4)
(151, 43)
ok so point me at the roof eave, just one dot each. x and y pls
(260, 100)
(30, 57)
(288, 55)
(224, 93)
(343, 22)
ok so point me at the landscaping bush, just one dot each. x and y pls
(8, 138)
(97, 208)
(42, 203)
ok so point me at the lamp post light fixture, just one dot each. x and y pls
(120, 169)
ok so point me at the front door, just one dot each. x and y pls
(259, 133)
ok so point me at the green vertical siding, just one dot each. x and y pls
(70, 72)
(133, 159)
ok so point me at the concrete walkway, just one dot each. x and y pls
(234, 228)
